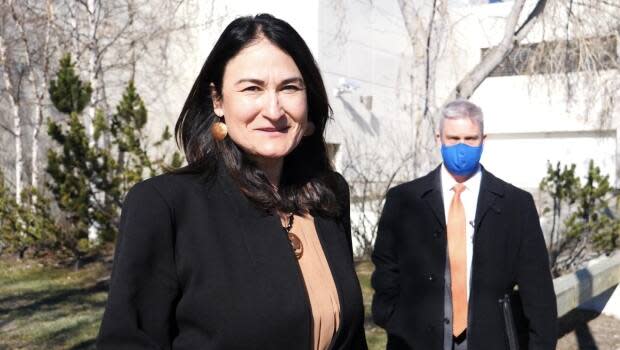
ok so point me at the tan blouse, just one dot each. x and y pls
(319, 283)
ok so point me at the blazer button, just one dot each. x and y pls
(431, 277)
(429, 329)
(446, 321)
(437, 234)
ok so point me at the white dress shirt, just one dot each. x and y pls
(469, 197)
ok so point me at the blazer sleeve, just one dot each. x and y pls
(140, 310)
(535, 283)
(385, 278)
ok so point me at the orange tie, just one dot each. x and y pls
(457, 252)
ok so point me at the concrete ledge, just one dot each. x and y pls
(573, 289)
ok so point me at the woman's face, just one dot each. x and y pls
(263, 101)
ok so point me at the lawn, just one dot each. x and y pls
(375, 336)
(44, 307)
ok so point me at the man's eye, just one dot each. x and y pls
(251, 88)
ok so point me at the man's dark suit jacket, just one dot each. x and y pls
(197, 266)
(410, 260)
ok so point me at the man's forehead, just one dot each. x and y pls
(460, 121)
(461, 125)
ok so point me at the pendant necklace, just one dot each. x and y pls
(298, 247)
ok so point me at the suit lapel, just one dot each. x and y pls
(490, 191)
(432, 196)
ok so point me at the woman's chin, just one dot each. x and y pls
(268, 157)
(272, 153)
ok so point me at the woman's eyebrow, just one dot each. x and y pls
(250, 80)
(297, 80)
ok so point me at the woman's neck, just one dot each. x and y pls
(272, 169)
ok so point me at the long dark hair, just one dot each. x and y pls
(307, 182)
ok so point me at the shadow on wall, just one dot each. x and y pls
(371, 128)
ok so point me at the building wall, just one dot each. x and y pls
(530, 120)
(364, 45)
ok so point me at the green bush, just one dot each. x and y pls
(87, 177)
(583, 221)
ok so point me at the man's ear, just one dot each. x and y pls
(217, 101)
(437, 138)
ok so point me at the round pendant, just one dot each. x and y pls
(298, 247)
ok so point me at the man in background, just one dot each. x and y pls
(452, 245)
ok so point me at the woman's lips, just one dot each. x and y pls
(273, 129)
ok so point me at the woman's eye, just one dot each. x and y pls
(291, 88)
(251, 88)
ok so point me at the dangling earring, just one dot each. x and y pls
(219, 130)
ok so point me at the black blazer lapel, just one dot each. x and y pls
(432, 195)
(490, 190)
(262, 232)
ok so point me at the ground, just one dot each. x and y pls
(55, 307)
(43, 307)
(589, 330)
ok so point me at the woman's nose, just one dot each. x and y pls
(272, 109)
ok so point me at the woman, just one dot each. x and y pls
(249, 246)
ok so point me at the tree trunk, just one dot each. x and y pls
(34, 180)
(513, 34)
(424, 23)
(39, 88)
(13, 95)
(93, 9)
(19, 158)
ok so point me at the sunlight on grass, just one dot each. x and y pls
(50, 307)
(43, 307)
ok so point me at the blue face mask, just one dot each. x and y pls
(461, 159)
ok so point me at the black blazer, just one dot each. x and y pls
(410, 260)
(197, 266)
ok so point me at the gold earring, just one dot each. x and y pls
(219, 130)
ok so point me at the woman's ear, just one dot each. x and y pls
(309, 128)
(217, 101)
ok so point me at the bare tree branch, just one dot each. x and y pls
(466, 87)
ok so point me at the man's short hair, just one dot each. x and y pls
(459, 109)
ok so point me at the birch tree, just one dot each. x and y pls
(114, 36)
(37, 72)
(12, 92)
